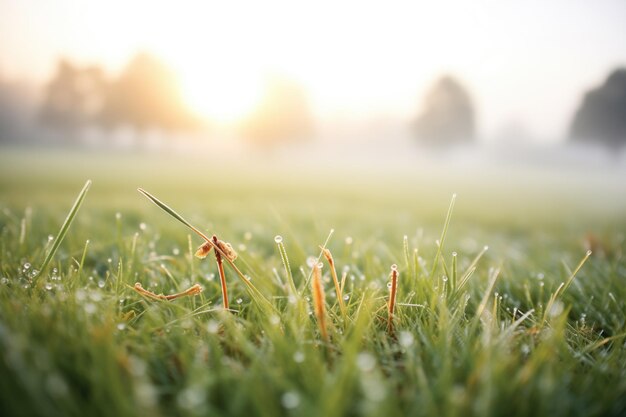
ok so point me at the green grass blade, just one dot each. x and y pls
(64, 228)
(443, 236)
(171, 212)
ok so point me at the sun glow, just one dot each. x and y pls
(222, 98)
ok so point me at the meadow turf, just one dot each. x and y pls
(512, 332)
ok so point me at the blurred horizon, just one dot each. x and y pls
(360, 68)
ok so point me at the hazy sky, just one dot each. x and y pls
(525, 62)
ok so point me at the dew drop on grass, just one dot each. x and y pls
(310, 261)
(274, 319)
(239, 300)
(175, 251)
(298, 357)
(290, 400)
(210, 277)
(118, 216)
(26, 266)
(143, 226)
(389, 285)
(349, 240)
(394, 267)
(320, 265)
(49, 286)
(121, 326)
(365, 361)
(346, 297)
(212, 326)
(406, 339)
(101, 284)
(278, 239)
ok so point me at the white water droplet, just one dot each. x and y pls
(49, 286)
(298, 357)
(406, 339)
(278, 239)
(365, 361)
(290, 400)
(101, 284)
(212, 326)
(143, 226)
(394, 267)
(346, 297)
(349, 240)
(239, 300)
(121, 326)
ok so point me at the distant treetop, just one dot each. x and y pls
(448, 114)
(602, 114)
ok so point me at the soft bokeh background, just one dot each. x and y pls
(485, 98)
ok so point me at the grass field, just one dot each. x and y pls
(505, 331)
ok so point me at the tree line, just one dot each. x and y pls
(146, 95)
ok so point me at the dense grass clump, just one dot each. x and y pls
(533, 326)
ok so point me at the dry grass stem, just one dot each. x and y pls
(193, 290)
(333, 273)
(392, 297)
(319, 301)
(220, 267)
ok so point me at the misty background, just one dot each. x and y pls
(400, 82)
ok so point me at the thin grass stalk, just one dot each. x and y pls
(453, 276)
(443, 236)
(565, 285)
(64, 228)
(308, 279)
(283, 256)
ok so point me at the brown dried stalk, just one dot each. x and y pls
(333, 273)
(319, 300)
(193, 290)
(220, 268)
(392, 298)
(221, 249)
